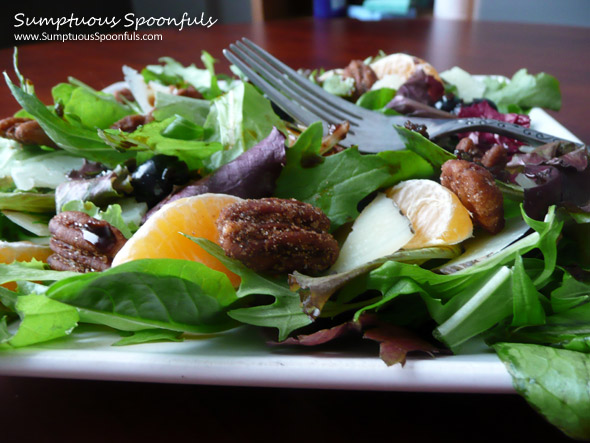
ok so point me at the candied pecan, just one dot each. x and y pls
(495, 158)
(124, 95)
(25, 130)
(82, 243)
(477, 190)
(189, 91)
(363, 75)
(131, 122)
(466, 149)
(277, 235)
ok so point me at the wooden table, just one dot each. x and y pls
(68, 410)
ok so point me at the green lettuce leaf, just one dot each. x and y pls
(42, 319)
(555, 382)
(524, 90)
(239, 119)
(93, 109)
(113, 214)
(170, 105)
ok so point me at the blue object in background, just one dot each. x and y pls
(329, 8)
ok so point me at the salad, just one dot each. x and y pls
(181, 201)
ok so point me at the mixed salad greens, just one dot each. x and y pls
(523, 292)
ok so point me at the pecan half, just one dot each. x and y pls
(189, 91)
(124, 95)
(82, 243)
(277, 235)
(26, 131)
(364, 77)
(130, 123)
(477, 190)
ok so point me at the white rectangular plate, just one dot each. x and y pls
(243, 358)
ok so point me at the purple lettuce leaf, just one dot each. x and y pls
(324, 335)
(414, 108)
(251, 175)
(557, 173)
(485, 139)
(100, 190)
(395, 342)
(423, 88)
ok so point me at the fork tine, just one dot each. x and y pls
(337, 102)
(296, 111)
(297, 93)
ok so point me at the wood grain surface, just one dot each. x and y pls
(478, 47)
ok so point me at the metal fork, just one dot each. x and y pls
(371, 131)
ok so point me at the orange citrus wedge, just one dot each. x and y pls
(161, 235)
(438, 217)
(23, 251)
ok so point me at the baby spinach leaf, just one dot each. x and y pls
(555, 382)
(377, 100)
(171, 294)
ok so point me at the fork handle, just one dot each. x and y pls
(512, 130)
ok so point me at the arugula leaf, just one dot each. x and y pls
(30, 271)
(426, 149)
(152, 137)
(555, 382)
(75, 139)
(148, 336)
(526, 299)
(284, 313)
(170, 294)
(335, 184)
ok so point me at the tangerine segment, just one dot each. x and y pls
(437, 215)
(161, 235)
(23, 251)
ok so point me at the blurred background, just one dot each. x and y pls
(562, 12)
